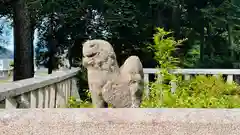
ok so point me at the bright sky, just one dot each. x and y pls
(8, 33)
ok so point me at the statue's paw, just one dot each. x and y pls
(107, 86)
(134, 106)
(137, 77)
(90, 62)
(85, 61)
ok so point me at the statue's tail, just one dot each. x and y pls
(132, 65)
(133, 68)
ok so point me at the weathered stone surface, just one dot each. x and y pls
(117, 94)
(127, 88)
(121, 87)
(120, 122)
(100, 61)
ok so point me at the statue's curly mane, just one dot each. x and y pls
(106, 60)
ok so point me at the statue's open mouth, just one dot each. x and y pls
(91, 55)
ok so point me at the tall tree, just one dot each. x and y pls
(22, 41)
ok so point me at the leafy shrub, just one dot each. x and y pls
(73, 103)
(85, 103)
(199, 92)
(164, 47)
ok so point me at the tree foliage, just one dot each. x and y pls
(211, 27)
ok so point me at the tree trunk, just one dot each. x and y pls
(176, 26)
(176, 18)
(209, 38)
(22, 41)
(51, 55)
(51, 46)
(159, 19)
(202, 44)
(230, 40)
(230, 36)
(70, 55)
(32, 29)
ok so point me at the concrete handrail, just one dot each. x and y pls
(39, 88)
(196, 71)
(188, 72)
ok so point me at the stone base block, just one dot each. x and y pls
(120, 122)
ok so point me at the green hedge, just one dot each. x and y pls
(199, 92)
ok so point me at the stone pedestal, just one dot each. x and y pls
(120, 122)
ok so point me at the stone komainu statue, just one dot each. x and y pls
(109, 84)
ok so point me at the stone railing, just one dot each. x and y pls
(50, 91)
(187, 73)
(53, 91)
